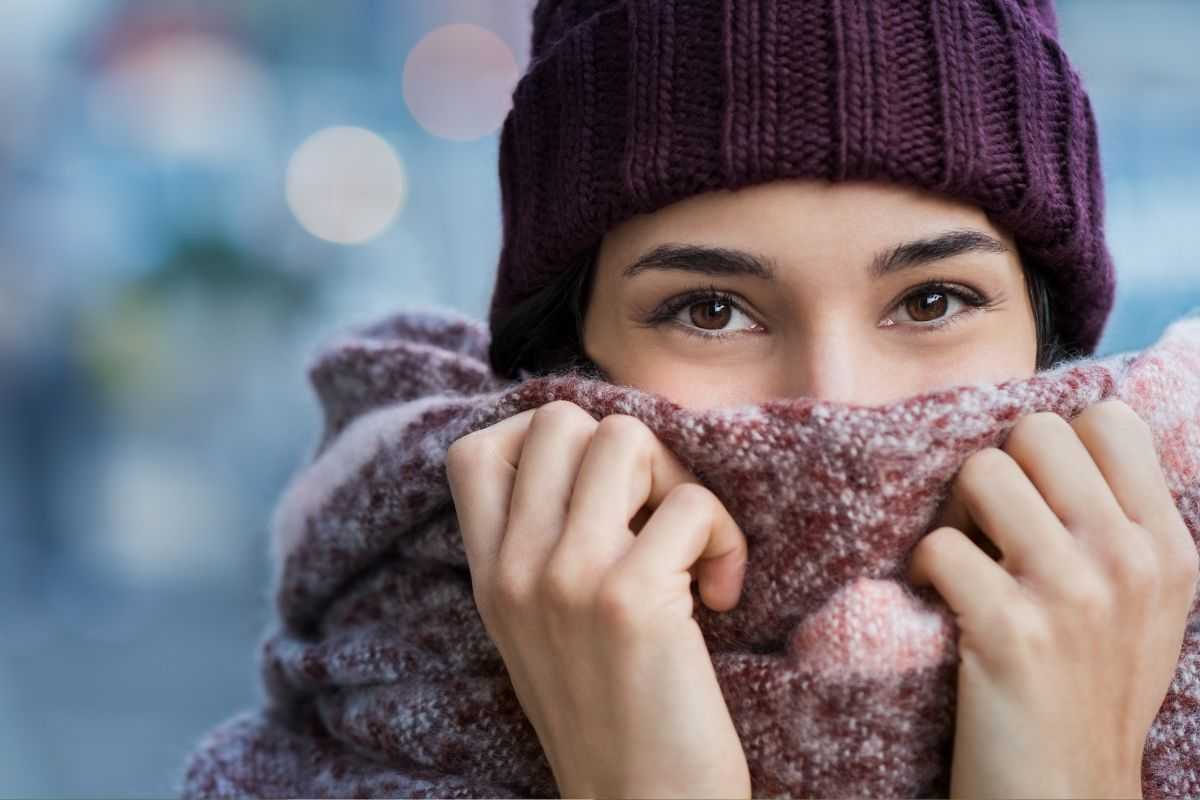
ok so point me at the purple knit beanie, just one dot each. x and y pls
(630, 105)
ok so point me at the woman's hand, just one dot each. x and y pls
(594, 621)
(1069, 643)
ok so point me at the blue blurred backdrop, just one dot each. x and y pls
(196, 194)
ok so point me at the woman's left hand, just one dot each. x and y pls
(1068, 644)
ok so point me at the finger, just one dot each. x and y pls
(481, 468)
(953, 514)
(999, 496)
(625, 468)
(1048, 451)
(1122, 448)
(553, 449)
(966, 578)
(691, 526)
(1157, 545)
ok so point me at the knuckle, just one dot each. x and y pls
(626, 428)
(507, 594)
(1115, 408)
(1185, 579)
(693, 496)
(1185, 560)
(1136, 569)
(1020, 629)
(561, 414)
(1189, 561)
(510, 589)
(1032, 430)
(465, 451)
(558, 587)
(1170, 557)
(1177, 533)
(931, 544)
(616, 600)
(925, 549)
(1029, 436)
(982, 465)
(1114, 414)
(1166, 520)
(1087, 597)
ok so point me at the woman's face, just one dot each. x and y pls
(858, 292)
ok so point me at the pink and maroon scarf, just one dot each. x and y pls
(380, 680)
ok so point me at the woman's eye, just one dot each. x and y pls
(715, 315)
(927, 306)
(932, 307)
(710, 317)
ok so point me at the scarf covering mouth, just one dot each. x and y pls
(379, 678)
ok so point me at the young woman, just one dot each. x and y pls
(825, 200)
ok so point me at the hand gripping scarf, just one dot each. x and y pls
(380, 679)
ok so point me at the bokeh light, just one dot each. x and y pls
(184, 94)
(458, 81)
(345, 184)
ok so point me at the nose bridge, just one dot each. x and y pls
(826, 366)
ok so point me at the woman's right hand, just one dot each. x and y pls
(592, 612)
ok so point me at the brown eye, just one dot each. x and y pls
(709, 315)
(713, 314)
(926, 306)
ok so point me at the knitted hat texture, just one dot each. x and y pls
(628, 106)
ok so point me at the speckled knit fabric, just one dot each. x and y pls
(380, 679)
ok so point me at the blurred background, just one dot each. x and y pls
(195, 195)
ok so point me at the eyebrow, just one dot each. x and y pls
(726, 261)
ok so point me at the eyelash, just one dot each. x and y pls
(666, 312)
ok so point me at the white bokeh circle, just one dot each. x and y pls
(345, 184)
(458, 81)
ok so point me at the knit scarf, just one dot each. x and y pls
(379, 678)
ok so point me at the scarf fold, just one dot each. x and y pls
(380, 679)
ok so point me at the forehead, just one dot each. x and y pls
(797, 220)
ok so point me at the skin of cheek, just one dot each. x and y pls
(715, 382)
(994, 358)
